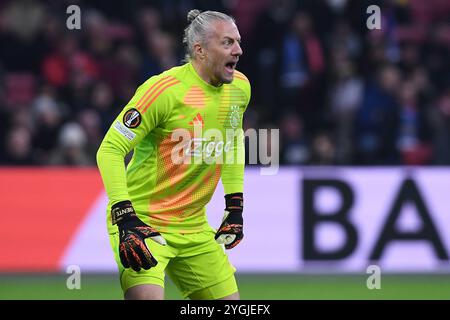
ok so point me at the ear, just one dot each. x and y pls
(199, 51)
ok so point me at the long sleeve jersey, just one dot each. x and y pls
(185, 135)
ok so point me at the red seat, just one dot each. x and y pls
(20, 88)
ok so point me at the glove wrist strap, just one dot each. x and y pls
(234, 202)
(122, 212)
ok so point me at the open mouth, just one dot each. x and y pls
(230, 66)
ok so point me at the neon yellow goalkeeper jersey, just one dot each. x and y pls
(186, 134)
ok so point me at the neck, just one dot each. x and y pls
(204, 74)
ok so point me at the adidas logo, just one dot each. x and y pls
(197, 121)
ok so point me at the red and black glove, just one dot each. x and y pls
(230, 232)
(133, 251)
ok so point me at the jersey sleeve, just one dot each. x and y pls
(149, 107)
(233, 170)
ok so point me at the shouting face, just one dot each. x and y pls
(220, 54)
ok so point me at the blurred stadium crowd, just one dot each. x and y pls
(340, 93)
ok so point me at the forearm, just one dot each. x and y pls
(233, 167)
(110, 161)
(233, 178)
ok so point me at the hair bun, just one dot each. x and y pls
(192, 15)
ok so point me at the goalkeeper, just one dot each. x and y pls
(156, 212)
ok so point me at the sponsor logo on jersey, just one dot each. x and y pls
(199, 147)
(132, 118)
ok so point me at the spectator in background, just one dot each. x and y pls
(345, 97)
(410, 58)
(323, 151)
(160, 54)
(436, 55)
(56, 65)
(271, 25)
(66, 58)
(413, 132)
(18, 149)
(90, 122)
(148, 21)
(21, 25)
(48, 117)
(376, 121)
(302, 64)
(71, 147)
(99, 40)
(121, 68)
(441, 124)
(78, 91)
(102, 103)
(294, 148)
(342, 36)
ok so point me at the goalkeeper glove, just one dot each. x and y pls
(230, 231)
(133, 251)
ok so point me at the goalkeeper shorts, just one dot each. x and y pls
(197, 265)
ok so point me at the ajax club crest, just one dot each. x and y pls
(234, 116)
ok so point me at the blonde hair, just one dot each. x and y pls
(199, 28)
